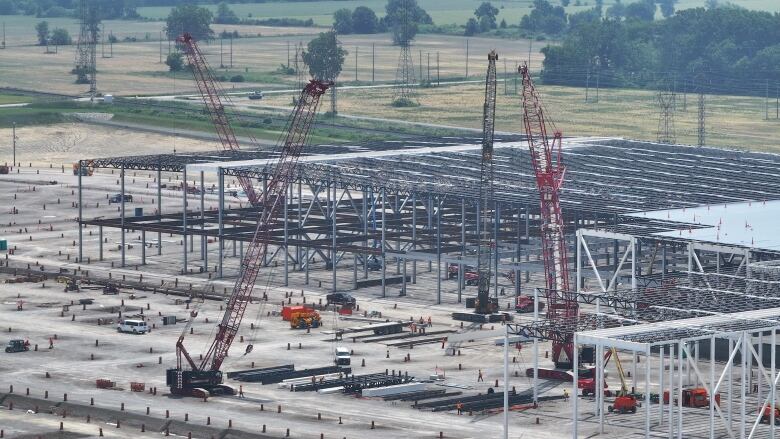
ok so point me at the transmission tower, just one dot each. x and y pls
(300, 67)
(666, 104)
(405, 75)
(86, 63)
(702, 128)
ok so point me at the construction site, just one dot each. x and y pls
(489, 284)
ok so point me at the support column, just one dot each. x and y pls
(438, 251)
(430, 226)
(354, 271)
(574, 397)
(414, 237)
(382, 252)
(496, 227)
(744, 354)
(334, 256)
(159, 208)
(661, 374)
(203, 223)
(143, 247)
(81, 215)
(220, 219)
(506, 382)
(286, 240)
(184, 217)
(122, 211)
(100, 243)
(647, 392)
(365, 231)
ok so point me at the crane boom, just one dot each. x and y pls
(212, 94)
(206, 375)
(547, 160)
(486, 244)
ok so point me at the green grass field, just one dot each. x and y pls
(731, 121)
(442, 11)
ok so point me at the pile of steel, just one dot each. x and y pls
(277, 374)
(478, 403)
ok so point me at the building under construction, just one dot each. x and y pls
(670, 259)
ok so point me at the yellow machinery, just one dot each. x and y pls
(305, 319)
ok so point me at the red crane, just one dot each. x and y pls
(204, 377)
(547, 160)
(213, 95)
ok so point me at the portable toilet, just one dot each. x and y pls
(108, 99)
(139, 211)
(3, 244)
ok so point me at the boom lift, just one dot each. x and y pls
(547, 160)
(204, 378)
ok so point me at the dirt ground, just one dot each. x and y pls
(66, 143)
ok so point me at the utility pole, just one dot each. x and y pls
(766, 101)
(288, 53)
(421, 71)
(356, 62)
(467, 58)
(160, 47)
(221, 53)
(231, 50)
(506, 79)
(530, 48)
(701, 127)
(437, 70)
(373, 62)
(13, 136)
(3, 44)
(429, 68)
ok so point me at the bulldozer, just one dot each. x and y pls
(305, 319)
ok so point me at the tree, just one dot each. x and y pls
(582, 17)
(403, 17)
(565, 3)
(342, 21)
(617, 10)
(503, 24)
(60, 37)
(545, 18)
(42, 29)
(472, 27)
(175, 62)
(599, 5)
(364, 20)
(225, 15)
(486, 13)
(7, 7)
(324, 56)
(667, 7)
(643, 10)
(189, 18)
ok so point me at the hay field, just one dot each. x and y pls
(731, 121)
(135, 68)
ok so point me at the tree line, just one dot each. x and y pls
(730, 48)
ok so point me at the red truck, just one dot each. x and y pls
(694, 397)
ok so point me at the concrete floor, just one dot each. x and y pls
(47, 237)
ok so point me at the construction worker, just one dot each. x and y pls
(565, 395)
(459, 406)
(240, 391)
(430, 324)
(51, 343)
(479, 377)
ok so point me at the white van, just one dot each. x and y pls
(133, 326)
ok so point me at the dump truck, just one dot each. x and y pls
(693, 397)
